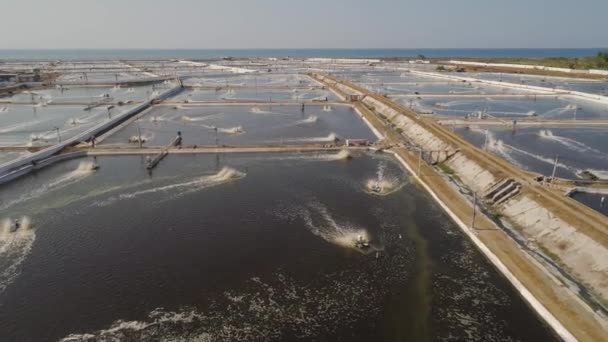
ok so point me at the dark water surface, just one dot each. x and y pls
(593, 201)
(246, 125)
(260, 252)
(576, 148)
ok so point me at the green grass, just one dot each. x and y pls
(448, 171)
(587, 174)
(548, 253)
(599, 61)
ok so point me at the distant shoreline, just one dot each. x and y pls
(90, 54)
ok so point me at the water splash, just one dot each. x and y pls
(561, 111)
(342, 155)
(232, 130)
(146, 137)
(225, 175)
(323, 224)
(330, 138)
(308, 120)
(257, 110)
(504, 149)
(570, 143)
(84, 169)
(499, 147)
(16, 127)
(383, 184)
(14, 248)
(201, 118)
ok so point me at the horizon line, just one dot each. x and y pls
(309, 48)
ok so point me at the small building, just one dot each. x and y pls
(357, 142)
(354, 97)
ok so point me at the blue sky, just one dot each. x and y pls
(302, 24)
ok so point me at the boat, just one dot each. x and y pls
(361, 242)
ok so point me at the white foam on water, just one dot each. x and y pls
(86, 118)
(14, 248)
(16, 127)
(499, 147)
(453, 103)
(201, 118)
(383, 184)
(570, 143)
(319, 220)
(163, 117)
(314, 157)
(224, 176)
(257, 110)
(232, 130)
(146, 137)
(261, 310)
(310, 119)
(229, 94)
(330, 138)
(561, 111)
(542, 159)
(84, 169)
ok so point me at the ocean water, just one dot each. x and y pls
(91, 54)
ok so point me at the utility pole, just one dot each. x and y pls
(58, 135)
(474, 209)
(554, 168)
(485, 143)
(419, 159)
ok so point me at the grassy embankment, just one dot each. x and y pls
(599, 61)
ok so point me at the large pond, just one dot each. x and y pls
(577, 148)
(245, 125)
(244, 248)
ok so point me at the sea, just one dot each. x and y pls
(92, 54)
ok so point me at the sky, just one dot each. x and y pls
(219, 24)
